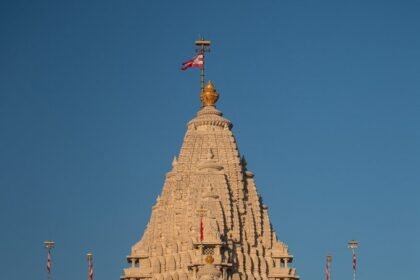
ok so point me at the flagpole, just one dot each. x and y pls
(202, 76)
(90, 265)
(328, 268)
(353, 245)
(203, 46)
(49, 245)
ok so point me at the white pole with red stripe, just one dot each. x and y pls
(353, 245)
(90, 266)
(328, 268)
(49, 245)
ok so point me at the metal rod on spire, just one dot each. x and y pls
(203, 46)
(353, 245)
(49, 245)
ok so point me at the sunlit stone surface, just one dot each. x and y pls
(209, 221)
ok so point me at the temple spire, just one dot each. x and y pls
(209, 223)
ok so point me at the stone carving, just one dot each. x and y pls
(209, 177)
(209, 270)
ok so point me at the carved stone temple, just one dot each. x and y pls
(209, 223)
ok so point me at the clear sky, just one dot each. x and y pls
(324, 97)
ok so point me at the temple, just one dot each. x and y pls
(209, 223)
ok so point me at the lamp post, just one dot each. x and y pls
(49, 245)
(353, 245)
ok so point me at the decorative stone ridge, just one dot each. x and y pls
(209, 116)
(209, 223)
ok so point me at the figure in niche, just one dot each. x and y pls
(193, 233)
(210, 188)
(209, 193)
(171, 247)
(178, 194)
(211, 228)
(157, 250)
(210, 154)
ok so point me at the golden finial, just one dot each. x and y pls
(209, 259)
(209, 95)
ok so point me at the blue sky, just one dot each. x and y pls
(324, 97)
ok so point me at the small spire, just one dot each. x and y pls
(244, 162)
(210, 154)
(209, 95)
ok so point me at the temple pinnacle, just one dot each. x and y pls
(209, 223)
(209, 95)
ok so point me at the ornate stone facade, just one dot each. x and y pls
(209, 223)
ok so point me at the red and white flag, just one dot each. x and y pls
(196, 61)
(201, 230)
(49, 262)
(90, 270)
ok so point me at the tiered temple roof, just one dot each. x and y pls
(209, 221)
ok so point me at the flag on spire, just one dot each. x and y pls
(201, 212)
(196, 61)
(201, 229)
